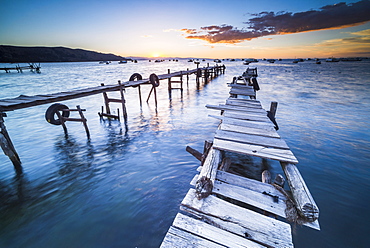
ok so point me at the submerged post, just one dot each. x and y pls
(7, 145)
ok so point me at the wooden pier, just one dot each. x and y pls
(31, 66)
(228, 210)
(62, 113)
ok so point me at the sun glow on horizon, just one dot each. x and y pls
(156, 55)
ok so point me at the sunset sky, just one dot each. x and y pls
(202, 29)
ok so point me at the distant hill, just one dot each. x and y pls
(17, 54)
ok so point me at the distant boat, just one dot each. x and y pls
(217, 61)
(332, 60)
(271, 60)
(122, 62)
(297, 60)
(251, 60)
(246, 63)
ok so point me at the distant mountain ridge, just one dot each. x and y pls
(18, 54)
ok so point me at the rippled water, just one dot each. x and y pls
(123, 187)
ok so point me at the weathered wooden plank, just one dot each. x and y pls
(235, 108)
(250, 130)
(230, 101)
(301, 195)
(244, 92)
(251, 139)
(249, 116)
(179, 238)
(241, 221)
(245, 123)
(250, 101)
(241, 86)
(255, 150)
(210, 232)
(207, 175)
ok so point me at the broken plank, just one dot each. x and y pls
(241, 221)
(255, 150)
(247, 183)
(251, 139)
(242, 187)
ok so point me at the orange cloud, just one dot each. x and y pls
(268, 23)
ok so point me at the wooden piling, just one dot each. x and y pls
(7, 145)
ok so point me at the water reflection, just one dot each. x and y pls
(72, 156)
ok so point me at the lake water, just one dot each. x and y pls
(123, 187)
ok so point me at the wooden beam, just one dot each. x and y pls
(207, 175)
(301, 195)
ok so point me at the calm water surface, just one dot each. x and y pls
(123, 187)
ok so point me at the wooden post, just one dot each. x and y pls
(139, 89)
(7, 145)
(169, 81)
(273, 108)
(155, 96)
(62, 121)
(106, 101)
(302, 197)
(266, 177)
(84, 120)
(124, 111)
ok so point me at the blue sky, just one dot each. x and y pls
(214, 29)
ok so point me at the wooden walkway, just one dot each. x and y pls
(23, 101)
(227, 210)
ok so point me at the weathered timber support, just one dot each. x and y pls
(63, 119)
(7, 145)
(108, 100)
(207, 175)
(302, 197)
(178, 82)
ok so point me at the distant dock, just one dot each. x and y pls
(228, 210)
(31, 66)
